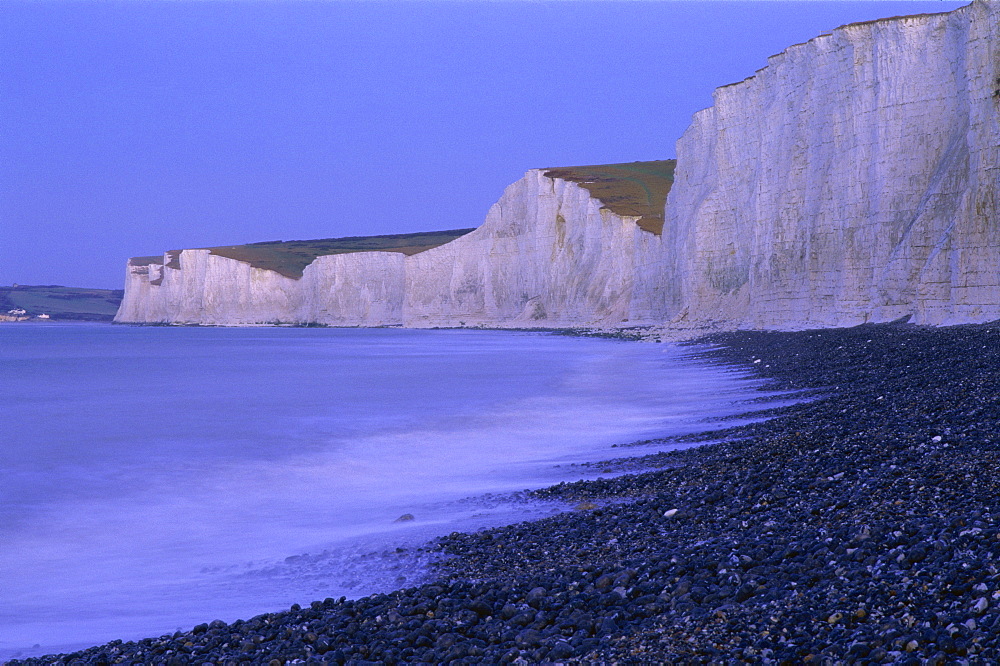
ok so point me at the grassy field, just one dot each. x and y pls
(291, 257)
(634, 188)
(62, 302)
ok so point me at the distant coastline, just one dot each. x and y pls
(50, 302)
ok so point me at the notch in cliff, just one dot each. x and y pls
(635, 189)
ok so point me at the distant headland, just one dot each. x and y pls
(21, 302)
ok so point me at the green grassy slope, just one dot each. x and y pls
(62, 302)
(289, 258)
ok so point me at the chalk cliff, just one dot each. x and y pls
(853, 179)
(338, 282)
(563, 247)
(197, 287)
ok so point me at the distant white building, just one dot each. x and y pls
(17, 314)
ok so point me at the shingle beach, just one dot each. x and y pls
(857, 527)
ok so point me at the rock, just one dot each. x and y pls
(561, 650)
(529, 638)
(759, 184)
(480, 608)
(608, 626)
(535, 596)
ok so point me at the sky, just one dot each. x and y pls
(132, 127)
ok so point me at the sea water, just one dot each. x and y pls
(152, 478)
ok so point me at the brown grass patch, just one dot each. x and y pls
(636, 189)
(146, 261)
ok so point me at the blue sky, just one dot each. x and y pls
(129, 128)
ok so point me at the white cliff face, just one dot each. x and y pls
(197, 287)
(194, 286)
(355, 289)
(548, 255)
(853, 179)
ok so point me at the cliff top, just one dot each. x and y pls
(846, 26)
(289, 258)
(637, 189)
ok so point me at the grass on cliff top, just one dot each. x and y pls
(289, 258)
(146, 261)
(637, 189)
(62, 302)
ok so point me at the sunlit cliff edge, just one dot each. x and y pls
(853, 179)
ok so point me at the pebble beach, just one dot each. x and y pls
(856, 526)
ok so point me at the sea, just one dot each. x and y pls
(153, 478)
